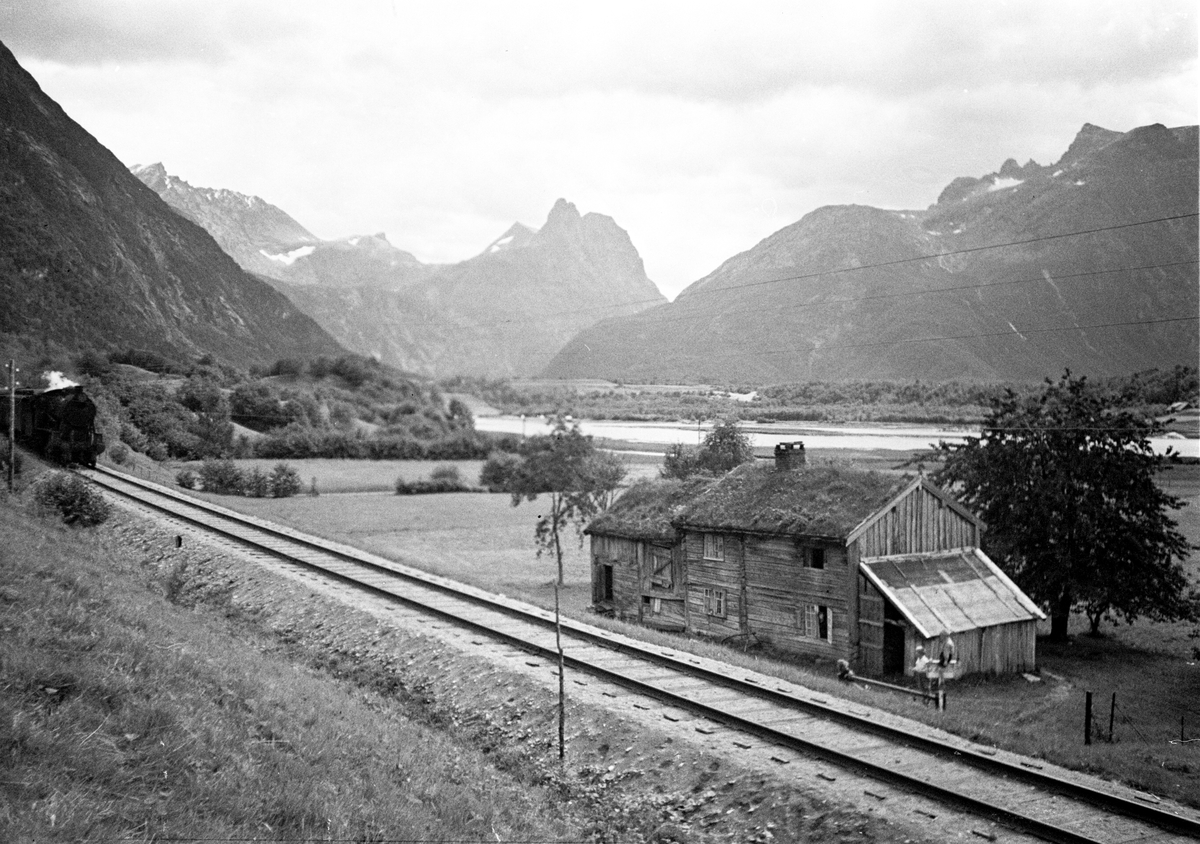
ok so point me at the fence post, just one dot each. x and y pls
(1087, 719)
(1112, 715)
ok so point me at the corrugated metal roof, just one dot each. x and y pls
(949, 591)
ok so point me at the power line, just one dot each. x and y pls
(881, 264)
(800, 306)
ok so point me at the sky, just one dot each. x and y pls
(699, 127)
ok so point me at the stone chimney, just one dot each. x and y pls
(789, 456)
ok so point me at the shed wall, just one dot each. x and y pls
(918, 523)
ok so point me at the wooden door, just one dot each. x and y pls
(870, 629)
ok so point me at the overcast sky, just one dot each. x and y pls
(701, 128)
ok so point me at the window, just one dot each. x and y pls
(816, 558)
(662, 575)
(714, 546)
(653, 604)
(714, 602)
(818, 622)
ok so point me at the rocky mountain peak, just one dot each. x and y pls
(563, 216)
(154, 176)
(1089, 139)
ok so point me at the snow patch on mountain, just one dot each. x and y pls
(289, 258)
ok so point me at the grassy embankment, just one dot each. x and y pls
(482, 539)
(145, 700)
(127, 715)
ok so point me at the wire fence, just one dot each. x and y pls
(1112, 719)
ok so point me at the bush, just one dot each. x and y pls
(285, 481)
(446, 474)
(187, 479)
(221, 477)
(119, 453)
(257, 483)
(498, 471)
(77, 501)
(681, 462)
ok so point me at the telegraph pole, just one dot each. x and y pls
(12, 425)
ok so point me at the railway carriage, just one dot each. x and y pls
(827, 562)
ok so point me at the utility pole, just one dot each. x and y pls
(12, 426)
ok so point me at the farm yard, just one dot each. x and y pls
(483, 540)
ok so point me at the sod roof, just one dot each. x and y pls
(645, 510)
(811, 500)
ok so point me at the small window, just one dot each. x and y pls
(816, 558)
(714, 546)
(714, 602)
(818, 622)
(662, 575)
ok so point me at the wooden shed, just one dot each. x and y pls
(826, 561)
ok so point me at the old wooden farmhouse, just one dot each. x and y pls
(826, 561)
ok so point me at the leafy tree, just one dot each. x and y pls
(1066, 488)
(578, 479)
(725, 447)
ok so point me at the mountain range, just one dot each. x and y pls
(504, 312)
(1088, 264)
(92, 259)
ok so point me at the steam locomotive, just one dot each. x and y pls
(59, 424)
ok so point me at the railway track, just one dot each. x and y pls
(1018, 793)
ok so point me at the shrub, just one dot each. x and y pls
(77, 501)
(446, 474)
(285, 481)
(222, 477)
(119, 453)
(187, 479)
(681, 461)
(133, 435)
(257, 484)
(498, 471)
(157, 451)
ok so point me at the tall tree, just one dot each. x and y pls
(1067, 489)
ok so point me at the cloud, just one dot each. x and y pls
(92, 32)
(700, 128)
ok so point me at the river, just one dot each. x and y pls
(904, 438)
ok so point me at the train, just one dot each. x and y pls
(58, 424)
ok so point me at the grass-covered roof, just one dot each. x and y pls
(812, 500)
(645, 510)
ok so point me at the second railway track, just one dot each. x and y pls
(1019, 794)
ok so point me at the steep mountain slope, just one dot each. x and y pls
(265, 240)
(91, 258)
(851, 292)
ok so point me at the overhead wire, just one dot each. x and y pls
(882, 264)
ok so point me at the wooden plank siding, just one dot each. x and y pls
(779, 586)
(702, 574)
(920, 521)
(638, 595)
(999, 649)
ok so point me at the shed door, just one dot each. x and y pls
(870, 628)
